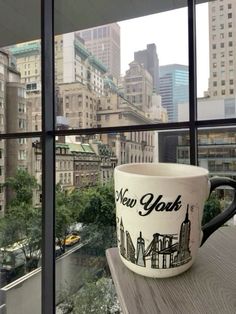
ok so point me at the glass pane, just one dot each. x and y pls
(173, 146)
(216, 60)
(217, 153)
(85, 214)
(20, 68)
(20, 225)
(108, 76)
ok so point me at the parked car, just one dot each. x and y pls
(72, 239)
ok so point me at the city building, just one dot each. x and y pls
(138, 86)
(174, 88)
(210, 108)
(77, 164)
(222, 48)
(14, 112)
(104, 43)
(73, 63)
(149, 59)
(79, 105)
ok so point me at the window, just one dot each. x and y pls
(1, 69)
(21, 123)
(229, 15)
(21, 155)
(84, 147)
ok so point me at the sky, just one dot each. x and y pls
(169, 31)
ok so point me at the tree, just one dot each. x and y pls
(63, 215)
(22, 220)
(96, 296)
(98, 206)
(97, 213)
(211, 209)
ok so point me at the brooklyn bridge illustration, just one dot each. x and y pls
(164, 251)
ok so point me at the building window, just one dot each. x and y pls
(229, 15)
(21, 155)
(222, 82)
(222, 45)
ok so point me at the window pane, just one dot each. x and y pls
(215, 60)
(217, 153)
(85, 213)
(20, 224)
(20, 69)
(173, 146)
(108, 76)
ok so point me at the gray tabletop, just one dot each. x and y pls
(209, 286)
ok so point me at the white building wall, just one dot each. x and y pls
(69, 58)
(206, 108)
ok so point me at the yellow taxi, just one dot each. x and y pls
(71, 239)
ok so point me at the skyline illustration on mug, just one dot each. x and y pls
(164, 251)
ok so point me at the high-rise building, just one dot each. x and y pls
(174, 88)
(149, 59)
(14, 110)
(138, 86)
(104, 43)
(73, 63)
(222, 34)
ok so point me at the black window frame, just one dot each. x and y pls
(49, 132)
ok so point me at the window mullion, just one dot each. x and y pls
(192, 81)
(48, 158)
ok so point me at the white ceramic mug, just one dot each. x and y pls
(159, 209)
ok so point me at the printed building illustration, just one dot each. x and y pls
(163, 252)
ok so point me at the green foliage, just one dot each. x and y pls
(22, 221)
(63, 213)
(96, 296)
(97, 206)
(23, 185)
(211, 209)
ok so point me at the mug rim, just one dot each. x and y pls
(199, 171)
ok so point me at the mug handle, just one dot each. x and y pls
(220, 219)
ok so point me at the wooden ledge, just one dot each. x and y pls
(208, 287)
